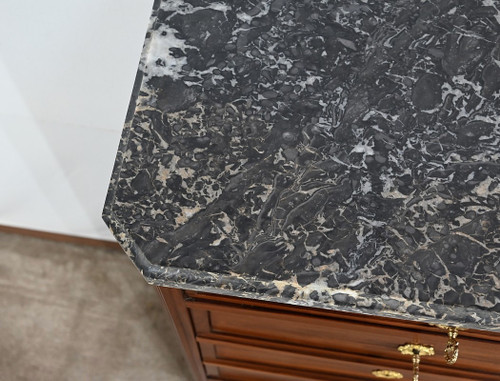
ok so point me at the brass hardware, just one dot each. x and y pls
(388, 374)
(451, 350)
(411, 349)
(416, 350)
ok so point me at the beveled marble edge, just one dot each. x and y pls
(253, 288)
(115, 174)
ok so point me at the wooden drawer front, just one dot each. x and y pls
(232, 371)
(341, 336)
(322, 364)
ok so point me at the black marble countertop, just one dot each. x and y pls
(336, 154)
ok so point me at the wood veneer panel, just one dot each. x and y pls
(234, 371)
(322, 361)
(176, 307)
(353, 337)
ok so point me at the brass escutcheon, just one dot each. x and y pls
(416, 349)
(387, 374)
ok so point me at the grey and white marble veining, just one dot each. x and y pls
(339, 154)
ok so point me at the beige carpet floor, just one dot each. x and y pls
(71, 312)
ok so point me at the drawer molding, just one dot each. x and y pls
(326, 359)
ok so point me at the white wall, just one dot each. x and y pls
(66, 73)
